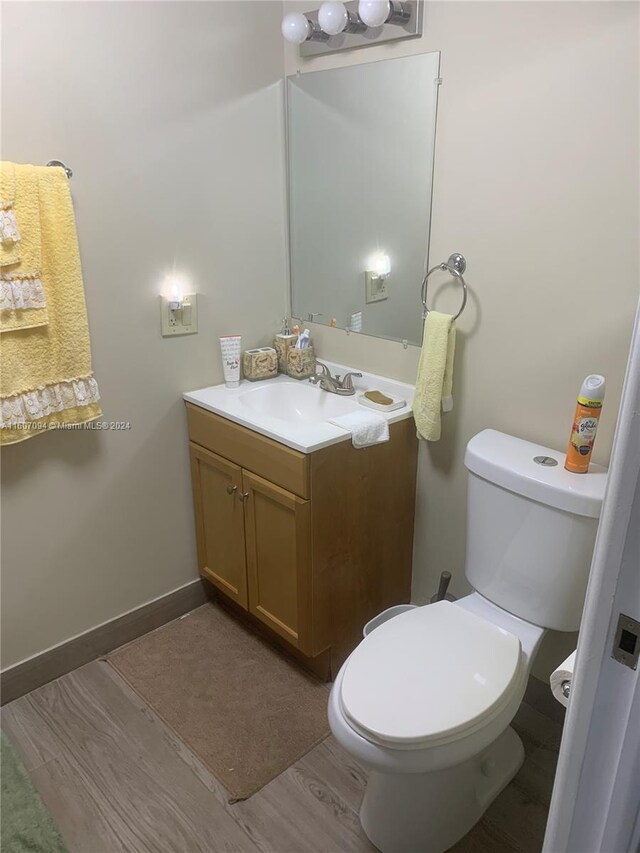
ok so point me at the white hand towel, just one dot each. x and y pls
(366, 428)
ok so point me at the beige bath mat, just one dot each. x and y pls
(243, 708)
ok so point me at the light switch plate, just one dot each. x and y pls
(183, 321)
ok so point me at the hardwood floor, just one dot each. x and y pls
(116, 778)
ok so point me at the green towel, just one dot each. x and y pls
(27, 826)
(435, 374)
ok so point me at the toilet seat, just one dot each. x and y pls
(429, 676)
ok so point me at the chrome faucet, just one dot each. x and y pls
(334, 384)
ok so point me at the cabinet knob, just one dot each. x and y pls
(231, 489)
(243, 496)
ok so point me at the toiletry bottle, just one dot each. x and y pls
(282, 343)
(585, 424)
(231, 349)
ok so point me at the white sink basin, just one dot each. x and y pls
(296, 403)
(296, 412)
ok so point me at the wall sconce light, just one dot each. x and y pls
(297, 28)
(352, 22)
(375, 13)
(334, 18)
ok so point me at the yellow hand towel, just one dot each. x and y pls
(46, 379)
(435, 374)
(22, 297)
(9, 230)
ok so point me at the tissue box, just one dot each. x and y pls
(260, 363)
(301, 363)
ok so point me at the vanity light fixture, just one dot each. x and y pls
(334, 18)
(297, 29)
(352, 23)
(375, 13)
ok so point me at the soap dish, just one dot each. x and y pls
(397, 403)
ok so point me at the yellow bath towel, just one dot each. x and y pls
(46, 379)
(9, 229)
(22, 296)
(435, 374)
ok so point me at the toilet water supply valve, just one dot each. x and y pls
(441, 594)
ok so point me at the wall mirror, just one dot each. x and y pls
(360, 167)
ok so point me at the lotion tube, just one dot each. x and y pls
(231, 349)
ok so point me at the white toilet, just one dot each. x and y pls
(425, 701)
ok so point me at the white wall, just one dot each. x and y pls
(536, 182)
(169, 114)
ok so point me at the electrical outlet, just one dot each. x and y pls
(182, 320)
(375, 287)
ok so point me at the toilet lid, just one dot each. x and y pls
(429, 674)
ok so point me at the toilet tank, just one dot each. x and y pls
(531, 528)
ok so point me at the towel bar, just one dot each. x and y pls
(60, 163)
(456, 265)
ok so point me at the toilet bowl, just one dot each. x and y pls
(425, 701)
(432, 724)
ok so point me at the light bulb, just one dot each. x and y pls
(381, 265)
(295, 28)
(174, 285)
(174, 288)
(333, 18)
(374, 13)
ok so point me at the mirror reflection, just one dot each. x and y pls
(360, 155)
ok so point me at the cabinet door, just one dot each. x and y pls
(217, 486)
(278, 537)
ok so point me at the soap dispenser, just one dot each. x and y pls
(282, 343)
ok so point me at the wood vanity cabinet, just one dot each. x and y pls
(310, 545)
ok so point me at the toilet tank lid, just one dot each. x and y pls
(509, 462)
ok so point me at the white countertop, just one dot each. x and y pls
(297, 431)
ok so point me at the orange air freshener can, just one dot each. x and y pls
(585, 424)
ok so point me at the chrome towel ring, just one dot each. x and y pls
(456, 265)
